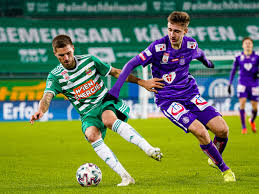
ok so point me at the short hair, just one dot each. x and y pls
(247, 38)
(61, 41)
(179, 17)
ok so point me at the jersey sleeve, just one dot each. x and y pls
(233, 71)
(103, 68)
(52, 85)
(146, 57)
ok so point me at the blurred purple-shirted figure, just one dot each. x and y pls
(248, 86)
(179, 99)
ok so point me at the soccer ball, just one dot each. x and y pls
(88, 175)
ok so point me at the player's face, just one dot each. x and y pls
(248, 46)
(65, 56)
(176, 33)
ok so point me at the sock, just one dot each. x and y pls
(242, 117)
(211, 151)
(220, 143)
(131, 135)
(104, 152)
(254, 114)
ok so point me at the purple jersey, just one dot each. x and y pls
(173, 66)
(248, 68)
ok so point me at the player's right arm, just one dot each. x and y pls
(232, 75)
(43, 107)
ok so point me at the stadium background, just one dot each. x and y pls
(114, 31)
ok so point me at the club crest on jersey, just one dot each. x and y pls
(165, 58)
(191, 45)
(65, 75)
(160, 47)
(169, 78)
(248, 66)
(88, 71)
(182, 61)
(142, 57)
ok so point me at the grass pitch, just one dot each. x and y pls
(44, 157)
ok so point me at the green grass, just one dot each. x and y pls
(44, 157)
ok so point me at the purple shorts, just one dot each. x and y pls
(183, 113)
(251, 93)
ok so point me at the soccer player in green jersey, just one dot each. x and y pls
(79, 78)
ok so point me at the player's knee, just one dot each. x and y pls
(223, 132)
(93, 136)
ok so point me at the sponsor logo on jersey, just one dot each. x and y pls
(191, 45)
(200, 102)
(169, 78)
(165, 58)
(86, 90)
(65, 75)
(242, 57)
(160, 47)
(174, 60)
(147, 51)
(142, 57)
(176, 110)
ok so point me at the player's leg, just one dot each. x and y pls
(201, 133)
(253, 115)
(94, 136)
(220, 128)
(126, 131)
(242, 103)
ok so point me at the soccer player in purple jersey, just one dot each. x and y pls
(179, 99)
(248, 86)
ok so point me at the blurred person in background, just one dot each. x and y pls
(81, 79)
(248, 87)
(179, 99)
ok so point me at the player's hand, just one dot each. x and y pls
(109, 97)
(151, 84)
(36, 116)
(229, 89)
(256, 75)
(211, 64)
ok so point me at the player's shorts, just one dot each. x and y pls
(183, 113)
(251, 93)
(94, 117)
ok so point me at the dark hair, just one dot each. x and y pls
(179, 17)
(61, 41)
(247, 38)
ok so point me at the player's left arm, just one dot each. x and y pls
(149, 85)
(200, 55)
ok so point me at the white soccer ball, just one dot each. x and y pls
(88, 175)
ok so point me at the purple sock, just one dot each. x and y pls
(254, 114)
(242, 117)
(220, 143)
(211, 151)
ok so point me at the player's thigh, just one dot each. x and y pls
(218, 126)
(95, 122)
(109, 116)
(179, 115)
(200, 132)
(121, 109)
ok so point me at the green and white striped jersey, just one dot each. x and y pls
(83, 86)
